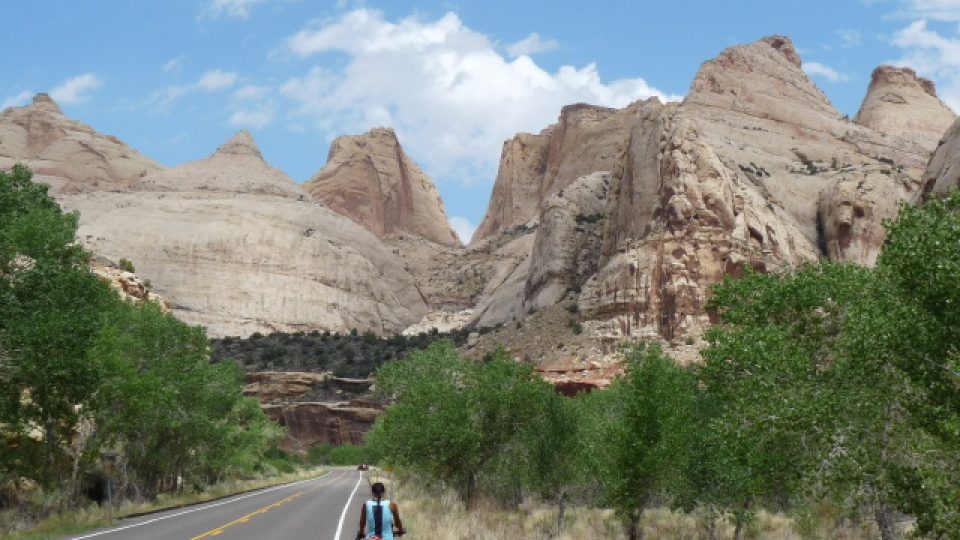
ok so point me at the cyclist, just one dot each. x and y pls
(378, 517)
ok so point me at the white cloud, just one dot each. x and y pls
(173, 64)
(216, 79)
(936, 10)
(463, 228)
(816, 69)
(933, 55)
(211, 81)
(251, 92)
(532, 44)
(451, 96)
(18, 100)
(75, 89)
(257, 118)
(238, 9)
(850, 38)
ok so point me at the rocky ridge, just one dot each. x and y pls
(901, 104)
(371, 180)
(315, 408)
(67, 155)
(754, 169)
(229, 241)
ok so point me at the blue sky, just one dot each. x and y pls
(175, 78)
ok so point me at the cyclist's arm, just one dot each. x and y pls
(396, 515)
(363, 521)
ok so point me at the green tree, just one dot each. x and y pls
(647, 432)
(455, 420)
(51, 307)
(170, 411)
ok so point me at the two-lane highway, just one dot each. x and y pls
(324, 508)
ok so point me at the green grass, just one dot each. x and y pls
(95, 516)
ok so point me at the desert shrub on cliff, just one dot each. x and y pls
(352, 356)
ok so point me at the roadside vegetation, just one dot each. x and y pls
(98, 395)
(828, 396)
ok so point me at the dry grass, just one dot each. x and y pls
(95, 516)
(443, 517)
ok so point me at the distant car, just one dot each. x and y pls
(362, 467)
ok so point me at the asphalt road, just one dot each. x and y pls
(309, 510)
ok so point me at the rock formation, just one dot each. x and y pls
(238, 247)
(901, 104)
(566, 248)
(943, 172)
(316, 408)
(230, 242)
(371, 180)
(65, 154)
(754, 169)
(585, 139)
(516, 192)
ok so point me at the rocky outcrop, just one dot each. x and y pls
(440, 321)
(852, 212)
(943, 173)
(709, 221)
(585, 139)
(901, 104)
(371, 180)
(516, 192)
(310, 424)
(764, 80)
(502, 297)
(754, 169)
(236, 167)
(236, 246)
(315, 408)
(65, 154)
(566, 248)
(126, 284)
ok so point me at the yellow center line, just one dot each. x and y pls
(263, 510)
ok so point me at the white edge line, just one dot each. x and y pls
(221, 503)
(343, 514)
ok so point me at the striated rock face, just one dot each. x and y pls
(65, 154)
(516, 193)
(708, 221)
(127, 284)
(371, 180)
(754, 169)
(901, 104)
(236, 246)
(316, 408)
(586, 138)
(311, 424)
(763, 79)
(566, 248)
(236, 167)
(943, 172)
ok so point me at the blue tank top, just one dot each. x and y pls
(387, 533)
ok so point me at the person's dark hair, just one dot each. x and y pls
(378, 488)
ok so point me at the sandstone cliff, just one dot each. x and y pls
(65, 154)
(754, 169)
(901, 104)
(316, 408)
(229, 241)
(943, 172)
(585, 139)
(371, 180)
(238, 247)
